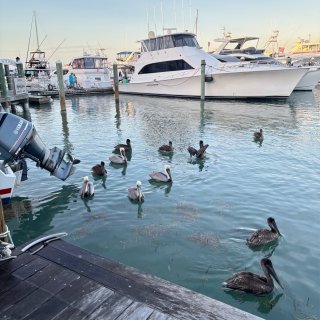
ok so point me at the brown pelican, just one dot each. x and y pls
(198, 153)
(258, 135)
(162, 176)
(135, 193)
(99, 169)
(264, 236)
(253, 283)
(166, 148)
(119, 159)
(87, 189)
(126, 146)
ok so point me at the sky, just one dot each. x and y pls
(68, 28)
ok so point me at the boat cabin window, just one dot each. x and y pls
(165, 66)
(89, 63)
(169, 41)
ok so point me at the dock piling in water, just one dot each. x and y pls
(62, 95)
(203, 78)
(116, 82)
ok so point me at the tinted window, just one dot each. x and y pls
(89, 63)
(174, 65)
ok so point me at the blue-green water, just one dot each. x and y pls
(193, 232)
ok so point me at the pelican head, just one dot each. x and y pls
(201, 143)
(266, 264)
(85, 179)
(167, 169)
(128, 142)
(140, 195)
(272, 224)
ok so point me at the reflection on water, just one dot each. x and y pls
(264, 303)
(191, 232)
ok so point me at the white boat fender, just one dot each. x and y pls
(44, 240)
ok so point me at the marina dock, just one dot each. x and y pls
(62, 281)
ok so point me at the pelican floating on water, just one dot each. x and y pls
(162, 176)
(87, 189)
(264, 236)
(135, 193)
(126, 146)
(119, 159)
(99, 169)
(253, 283)
(198, 153)
(258, 135)
(166, 148)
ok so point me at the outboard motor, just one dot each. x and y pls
(19, 139)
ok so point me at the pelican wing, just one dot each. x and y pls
(201, 151)
(99, 170)
(165, 148)
(159, 176)
(249, 282)
(133, 194)
(192, 151)
(262, 236)
(117, 159)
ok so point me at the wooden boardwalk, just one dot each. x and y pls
(63, 281)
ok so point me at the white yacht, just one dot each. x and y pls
(91, 71)
(170, 65)
(238, 48)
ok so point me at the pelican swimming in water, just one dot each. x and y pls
(198, 153)
(135, 193)
(253, 283)
(258, 135)
(162, 176)
(99, 169)
(126, 146)
(119, 159)
(87, 189)
(166, 148)
(264, 236)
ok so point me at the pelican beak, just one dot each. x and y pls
(274, 275)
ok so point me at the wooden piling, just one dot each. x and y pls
(115, 82)
(8, 77)
(3, 227)
(20, 69)
(203, 78)
(3, 82)
(62, 95)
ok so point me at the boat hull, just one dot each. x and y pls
(7, 182)
(309, 80)
(276, 83)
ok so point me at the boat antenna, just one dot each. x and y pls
(43, 41)
(57, 48)
(162, 14)
(29, 39)
(175, 13)
(35, 22)
(154, 17)
(196, 23)
(148, 22)
(182, 12)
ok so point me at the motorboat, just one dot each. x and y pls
(8, 181)
(91, 71)
(236, 48)
(170, 65)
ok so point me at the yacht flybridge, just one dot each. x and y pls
(170, 65)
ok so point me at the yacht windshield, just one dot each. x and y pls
(169, 41)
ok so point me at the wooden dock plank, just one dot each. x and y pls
(49, 309)
(16, 293)
(27, 305)
(136, 311)
(169, 298)
(62, 281)
(112, 308)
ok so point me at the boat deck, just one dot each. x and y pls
(62, 281)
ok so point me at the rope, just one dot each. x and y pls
(178, 84)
